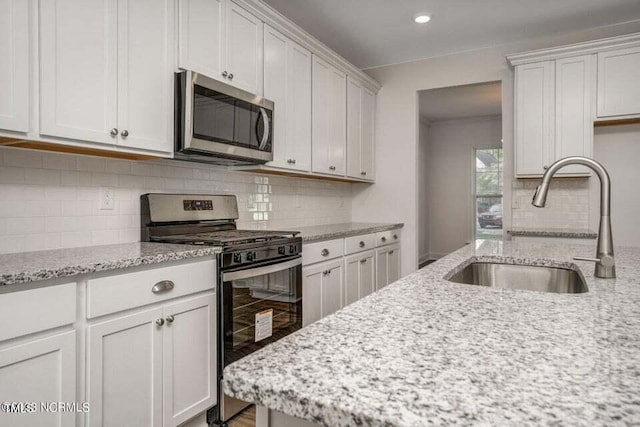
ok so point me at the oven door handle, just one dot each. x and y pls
(261, 271)
(267, 125)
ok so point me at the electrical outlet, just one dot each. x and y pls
(107, 198)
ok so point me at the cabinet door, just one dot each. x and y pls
(298, 124)
(189, 362)
(124, 371)
(332, 288)
(367, 141)
(534, 118)
(14, 67)
(574, 94)
(145, 74)
(618, 88)
(275, 89)
(201, 36)
(44, 371)
(311, 294)
(78, 69)
(393, 264)
(367, 273)
(351, 279)
(243, 49)
(354, 128)
(338, 109)
(382, 268)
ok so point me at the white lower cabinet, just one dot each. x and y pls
(39, 371)
(322, 290)
(388, 265)
(360, 276)
(155, 367)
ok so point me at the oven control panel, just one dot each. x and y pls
(257, 255)
(197, 205)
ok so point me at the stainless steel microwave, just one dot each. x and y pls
(221, 124)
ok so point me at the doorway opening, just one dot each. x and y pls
(460, 167)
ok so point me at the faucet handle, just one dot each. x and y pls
(606, 261)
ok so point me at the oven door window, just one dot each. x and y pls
(260, 309)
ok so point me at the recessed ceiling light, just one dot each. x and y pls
(422, 19)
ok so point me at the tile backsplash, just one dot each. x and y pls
(567, 205)
(52, 201)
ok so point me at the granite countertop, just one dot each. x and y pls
(28, 267)
(427, 351)
(558, 232)
(336, 231)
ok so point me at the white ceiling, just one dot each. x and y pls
(371, 33)
(460, 102)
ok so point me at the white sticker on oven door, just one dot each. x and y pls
(264, 324)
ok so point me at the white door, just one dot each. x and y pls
(42, 370)
(367, 141)
(338, 124)
(78, 69)
(393, 264)
(534, 117)
(351, 279)
(354, 128)
(311, 294)
(275, 89)
(243, 49)
(575, 95)
(189, 362)
(124, 371)
(201, 36)
(618, 88)
(14, 66)
(332, 288)
(298, 106)
(367, 273)
(146, 62)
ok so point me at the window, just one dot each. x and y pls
(488, 193)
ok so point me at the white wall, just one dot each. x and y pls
(395, 195)
(423, 190)
(51, 201)
(449, 170)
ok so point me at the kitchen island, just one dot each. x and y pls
(424, 350)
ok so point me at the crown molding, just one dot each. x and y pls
(281, 23)
(584, 48)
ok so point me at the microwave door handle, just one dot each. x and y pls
(260, 271)
(267, 125)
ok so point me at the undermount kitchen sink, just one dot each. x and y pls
(527, 277)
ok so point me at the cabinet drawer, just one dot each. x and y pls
(34, 310)
(387, 237)
(363, 242)
(129, 290)
(322, 251)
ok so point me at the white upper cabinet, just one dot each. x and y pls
(106, 72)
(201, 36)
(78, 69)
(618, 87)
(534, 117)
(243, 49)
(145, 73)
(14, 67)
(360, 131)
(329, 103)
(287, 82)
(223, 41)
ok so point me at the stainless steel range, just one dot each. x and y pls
(259, 293)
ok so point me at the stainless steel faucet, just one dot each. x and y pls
(605, 262)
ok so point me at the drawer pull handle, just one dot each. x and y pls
(324, 252)
(361, 244)
(170, 319)
(384, 239)
(160, 321)
(162, 286)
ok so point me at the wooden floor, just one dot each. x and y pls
(245, 419)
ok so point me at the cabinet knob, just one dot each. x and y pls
(294, 161)
(363, 173)
(332, 168)
(361, 244)
(362, 261)
(391, 252)
(326, 272)
(384, 239)
(124, 133)
(230, 76)
(324, 252)
(114, 132)
(170, 319)
(545, 167)
(395, 236)
(291, 161)
(225, 74)
(160, 321)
